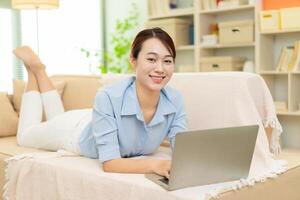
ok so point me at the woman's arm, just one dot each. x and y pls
(143, 166)
(105, 132)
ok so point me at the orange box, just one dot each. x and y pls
(278, 4)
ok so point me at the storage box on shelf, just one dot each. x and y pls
(177, 28)
(221, 63)
(270, 20)
(290, 18)
(282, 20)
(236, 32)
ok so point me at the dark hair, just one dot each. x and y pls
(146, 34)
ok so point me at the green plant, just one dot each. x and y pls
(116, 60)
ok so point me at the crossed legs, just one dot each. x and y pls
(40, 95)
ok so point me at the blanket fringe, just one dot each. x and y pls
(279, 169)
(277, 130)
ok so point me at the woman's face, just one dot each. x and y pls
(154, 66)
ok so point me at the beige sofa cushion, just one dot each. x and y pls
(19, 88)
(79, 91)
(8, 117)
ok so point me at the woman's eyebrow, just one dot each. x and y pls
(168, 55)
(152, 53)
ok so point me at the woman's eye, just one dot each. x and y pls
(151, 59)
(168, 61)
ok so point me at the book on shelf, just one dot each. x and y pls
(281, 106)
(231, 3)
(295, 58)
(158, 7)
(215, 4)
(209, 4)
(285, 59)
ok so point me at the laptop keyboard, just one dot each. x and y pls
(164, 180)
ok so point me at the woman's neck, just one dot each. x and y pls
(148, 99)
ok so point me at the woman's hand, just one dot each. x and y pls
(162, 167)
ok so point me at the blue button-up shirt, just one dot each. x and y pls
(118, 128)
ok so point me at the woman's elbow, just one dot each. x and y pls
(106, 166)
(109, 166)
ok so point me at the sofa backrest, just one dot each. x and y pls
(79, 91)
(208, 97)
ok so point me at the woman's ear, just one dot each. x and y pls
(133, 62)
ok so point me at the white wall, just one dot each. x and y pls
(6, 65)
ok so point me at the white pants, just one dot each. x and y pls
(62, 129)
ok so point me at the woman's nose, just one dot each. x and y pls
(159, 66)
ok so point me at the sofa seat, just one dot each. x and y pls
(9, 147)
(285, 183)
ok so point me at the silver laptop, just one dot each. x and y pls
(209, 156)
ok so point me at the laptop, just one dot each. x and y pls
(206, 157)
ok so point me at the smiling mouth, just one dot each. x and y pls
(157, 77)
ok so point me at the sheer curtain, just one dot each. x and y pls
(62, 32)
(6, 61)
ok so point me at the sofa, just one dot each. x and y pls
(217, 92)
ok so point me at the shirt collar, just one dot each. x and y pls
(131, 105)
(130, 102)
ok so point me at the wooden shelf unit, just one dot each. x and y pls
(221, 46)
(264, 52)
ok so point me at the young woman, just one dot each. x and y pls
(129, 118)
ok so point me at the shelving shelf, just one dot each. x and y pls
(224, 10)
(186, 47)
(273, 72)
(296, 113)
(276, 72)
(220, 46)
(180, 12)
(280, 32)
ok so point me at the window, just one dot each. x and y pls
(62, 32)
(6, 59)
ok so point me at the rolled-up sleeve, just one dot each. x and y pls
(180, 120)
(105, 128)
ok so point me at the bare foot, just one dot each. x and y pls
(30, 59)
